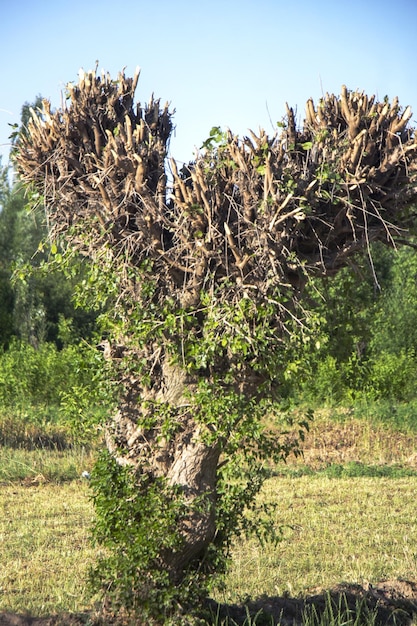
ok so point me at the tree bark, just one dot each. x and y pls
(182, 458)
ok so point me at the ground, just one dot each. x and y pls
(394, 600)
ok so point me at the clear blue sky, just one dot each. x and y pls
(232, 63)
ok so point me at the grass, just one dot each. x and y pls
(347, 512)
(36, 447)
(334, 530)
(43, 465)
(45, 547)
(341, 436)
(335, 610)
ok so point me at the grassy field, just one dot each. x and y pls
(347, 511)
(335, 530)
(45, 547)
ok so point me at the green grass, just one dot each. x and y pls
(33, 428)
(347, 512)
(351, 469)
(333, 610)
(43, 465)
(36, 447)
(397, 416)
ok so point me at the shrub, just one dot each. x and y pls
(394, 375)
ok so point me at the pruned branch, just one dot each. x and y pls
(265, 210)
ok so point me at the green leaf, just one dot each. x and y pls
(215, 130)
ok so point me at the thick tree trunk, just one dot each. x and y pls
(183, 459)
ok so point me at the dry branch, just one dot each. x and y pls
(262, 209)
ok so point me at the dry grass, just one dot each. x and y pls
(335, 530)
(352, 530)
(356, 440)
(45, 547)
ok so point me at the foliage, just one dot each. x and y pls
(355, 353)
(199, 293)
(134, 524)
(32, 303)
(49, 385)
(396, 306)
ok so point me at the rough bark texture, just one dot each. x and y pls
(183, 459)
(248, 221)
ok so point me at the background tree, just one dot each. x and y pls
(202, 285)
(33, 303)
(356, 355)
(6, 293)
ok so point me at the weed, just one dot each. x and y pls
(338, 612)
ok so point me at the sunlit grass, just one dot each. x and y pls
(339, 436)
(347, 511)
(334, 530)
(42, 465)
(45, 547)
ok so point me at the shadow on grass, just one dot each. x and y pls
(389, 603)
(65, 619)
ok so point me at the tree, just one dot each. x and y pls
(33, 306)
(202, 284)
(6, 294)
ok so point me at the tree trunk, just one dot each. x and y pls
(182, 458)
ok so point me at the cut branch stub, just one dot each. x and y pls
(261, 211)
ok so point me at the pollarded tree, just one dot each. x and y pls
(202, 282)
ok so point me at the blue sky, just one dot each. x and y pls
(229, 63)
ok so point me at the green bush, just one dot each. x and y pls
(393, 375)
(136, 520)
(330, 382)
(36, 376)
(43, 386)
(400, 416)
